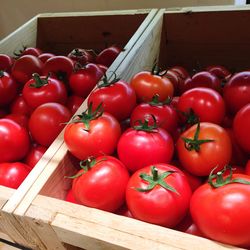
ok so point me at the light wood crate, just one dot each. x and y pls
(60, 33)
(181, 36)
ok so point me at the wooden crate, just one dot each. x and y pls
(52, 221)
(59, 34)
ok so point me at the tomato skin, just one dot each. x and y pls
(108, 55)
(216, 212)
(206, 103)
(47, 121)
(14, 141)
(32, 51)
(220, 71)
(18, 118)
(241, 125)
(180, 71)
(103, 186)
(118, 99)
(13, 174)
(247, 168)
(74, 102)
(165, 115)
(45, 56)
(8, 89)
(84, 80)
(146, 85)
(53, 91)
(6, 62)
(137, 149)
(236, 92)
(19, 106)
(70, 197)
(216, 153)
(25, 66)
(100, 139)
(35, 154)
(159, 206)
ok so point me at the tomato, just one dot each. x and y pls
(143, 145)
(203, 147)
(14, 141)
(181, 71)
(81, 56)
(101, 183)
(117, 97)
(221, 207)
(70, 197)
(201, 104)
(6, 62)
(165, 115)
(241, 125)
(236, 92)
(147, 84)
(92, 134)
(247, 168)
(84, 80)
(74, 102)
(176, 80)
(220, 71)
(123, 210)
(45, 56)
(8, 88)
(158, 194)
(13, 174)
(19, 118)
(103, 68)
(30, 51)
(35, 154)
(19, 106)
(40, 90)
(60, 67)
(47, 121)
(25, 66)
(108, 55)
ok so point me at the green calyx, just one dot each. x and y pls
(106, 83)
(38, 81)
(195, 143)
(144, 125)
(156, 70)
(155, 101)
(191, 117)
(1, 73)
(18, 54)
(88, 115)
(155, 179)
(221, 181)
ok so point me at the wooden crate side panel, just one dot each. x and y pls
(197, 39)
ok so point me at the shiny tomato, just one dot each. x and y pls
(12, 174)
(45, 56)
(147, 84)
(158, 194)
(117, 97)
(25, 66)
(47, 121)
(8, 88)
(22, 120)
(220, 71)
(30, 51)
(35, 154)
(40, 90)
(70, 197)
(108, 55)
(203, 147)
(19, 106)
(14, 141)
(143, 145)
(92, 134)
(101, 183)
(221, 207)
(6, 62)
(201, 104)
(241, 125)
(181, 71)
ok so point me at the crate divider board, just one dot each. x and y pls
(28, 34)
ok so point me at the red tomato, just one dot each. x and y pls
(70, 197)
(19, 118)
(13, 174)
(29, 51)
(108, 55)
(201, 104)
(247, 168)
(47, 121)
(147, 84)
(60, 67)
(8, 88)
(101, 184)
(165, 115)
(143, 145)
(84, 80)
(182, 72)
(92, 134)
(14, 141)
(221, 209)
(236, 92)
(176, 80)
(123, 210)
(6, 62)
(35, 154)
(203, 147)
(81, 56)
(19, 106)
(220, 71)
(40, 90)
(117, 97)
(25, 66)
(74, 102)
(158, 194)
(241, 125)
(45, 56)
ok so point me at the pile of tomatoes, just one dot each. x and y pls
(169, 149)
(39, 93)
